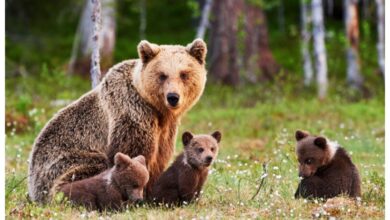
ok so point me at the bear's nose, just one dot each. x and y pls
(209, 159)
(173, 99)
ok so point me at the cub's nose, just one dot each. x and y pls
(209, 159)
(173, 99)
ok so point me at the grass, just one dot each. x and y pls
(258, 125)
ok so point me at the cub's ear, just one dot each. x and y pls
(187, 137)
(141, 159)
(121, 160)
(299, 135)
(198, 49)
(320, 142)
(217, 135)
(147, 51)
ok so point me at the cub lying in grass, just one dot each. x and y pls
(326, 168)
(112, 188)
(184, 179)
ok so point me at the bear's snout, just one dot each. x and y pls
(173, 99)
(208, 160)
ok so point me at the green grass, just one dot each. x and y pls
(258, 125)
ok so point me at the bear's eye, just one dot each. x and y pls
(162, 77)
(184, 75)
(212, 149)
(200, 150)
(309, 161)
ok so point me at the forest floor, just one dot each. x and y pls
(258, 125)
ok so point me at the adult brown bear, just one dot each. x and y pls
(136, 110)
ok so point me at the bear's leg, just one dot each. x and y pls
(311, 187)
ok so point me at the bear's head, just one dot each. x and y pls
(200, 151)
(171, 77)
(130, 176)
(313, 152)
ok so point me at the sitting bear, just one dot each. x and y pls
(326, 168)
(111, 189)
(136, 110)
(184, 179)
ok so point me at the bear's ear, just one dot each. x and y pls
(217, 135)
(147, 51)
(140, 159)
(320, 142)
(121, 160)
(187, 137)
(198, 49)
(299, 135)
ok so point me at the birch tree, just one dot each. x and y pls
(204, 22)
(142, 14)
(381, 35)
(95, 58)
(305, 36)
(82, 44)
(319, 48)
(354, 77)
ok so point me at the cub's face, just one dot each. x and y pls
(312, 153)
(172, 77)
(201, 150)
(130, 175)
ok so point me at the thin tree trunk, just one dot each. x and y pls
(142, 26)
(354, 77)
(381, 35)
(82, 47)
(95, 58)
(223, 41)
(250, 57)
(204, 22)
(305, 35)
(319, 48)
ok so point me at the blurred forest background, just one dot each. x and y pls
(274, 66)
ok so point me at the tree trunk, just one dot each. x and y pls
(96, 74)
(319, 47)
(354, 77)
(305, 35)
(381, 35)
(223, 41)
(142, 14)
(82, 46)
(259, 62)
(204, 22)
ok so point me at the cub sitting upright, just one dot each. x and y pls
(184, 179)
(112, 188)
(326, 168)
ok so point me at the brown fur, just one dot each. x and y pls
(112, 188)
(127, 112)
(327, 170)
(184, 179)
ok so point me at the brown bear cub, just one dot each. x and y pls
(326, 168)
(113, 188)
(184, 179)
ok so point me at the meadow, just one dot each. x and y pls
(258, 123)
